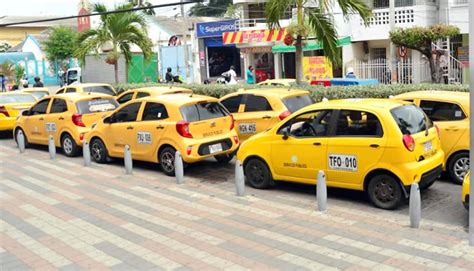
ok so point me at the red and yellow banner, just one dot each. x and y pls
(251, 36)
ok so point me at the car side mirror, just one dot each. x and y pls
(286, 133)
(26, 113)
(109, 119)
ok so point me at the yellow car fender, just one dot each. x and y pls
(57, 141)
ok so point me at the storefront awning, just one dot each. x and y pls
(311, 46)
(254, 36)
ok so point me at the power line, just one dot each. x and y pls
(104, 13)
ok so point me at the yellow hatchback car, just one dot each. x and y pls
(286, 82)
(256, 110)
(38, 93)
(155, 127)
(11, 105)
(449, 110)
(149, 91)
(67, 117)
(466, 189)
(88, 88)
(374, 145)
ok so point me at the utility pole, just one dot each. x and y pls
(393, 53)
(471, 122)
(185, 46)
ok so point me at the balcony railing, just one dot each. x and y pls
(461, 2)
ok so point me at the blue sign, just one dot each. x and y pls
(215, 29)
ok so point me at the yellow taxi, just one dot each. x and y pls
(256, 110)
(88, 87)
(67, 117)
(286, 82)
(449, 110)
(11, 105)
(149, 91)
(38, 93)
(465, 189)
(155, 127)
(378, 146)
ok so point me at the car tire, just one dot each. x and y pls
(257, 174)
(385, 192)
(99, 152)
(224, 158)
(27, 144)
(166, 160)
(69, 146)
(457, 167)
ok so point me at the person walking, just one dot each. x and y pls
(38, 83)
(250, 77)
(2, 79)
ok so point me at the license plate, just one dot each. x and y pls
(215, 148)
(428, 146)
(342, 162)
(247, 128)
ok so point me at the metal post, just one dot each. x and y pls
(178, 168)
(51, 147)
(185, 33)
(20, 138)
(471, 123)
(128, 160)
(239, 179)
(86, 153)
(393, 54)
(415, 206)
(321, 192)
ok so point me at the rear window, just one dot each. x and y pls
(39, 94)
(295, 103)
(411, 119)
(203, 111)
(96, 105)
(12, 98)
(100, 89)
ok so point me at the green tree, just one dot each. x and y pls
(19, 72)
(215, 8)
(116, 34)
(314, 21)
(7, 68)
(421, 38)
(60, 46)
(4, 46)
(142, 3)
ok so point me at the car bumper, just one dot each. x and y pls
(466, 202)
(7, 124)
(200, 150)
(422, 171)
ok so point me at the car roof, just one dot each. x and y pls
(77, 96)
(179, 99)
(88, 85)
(375, 104)
(35, 90)
(15, 93)
(461, 97)
(163, 89)
(283, 80)
(274, 91)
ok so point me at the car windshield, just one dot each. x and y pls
(100, 89)
(295, 103)
(96, 105)
(16, 98)
(411, 119)
(203, 111)
(39, 94)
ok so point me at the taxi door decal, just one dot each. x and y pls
(50, 127)
(248, 128)
(144, 138)
(342, 162)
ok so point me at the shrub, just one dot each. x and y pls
(317, 92)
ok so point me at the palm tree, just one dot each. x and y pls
(314, 20)
(115, 35)
(140, 4)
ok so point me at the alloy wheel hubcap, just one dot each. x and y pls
(67, 145)
(168, 162)
(96, 152)
(461, 166)
(384, 192)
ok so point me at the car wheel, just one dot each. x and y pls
(166, 158)
(257, 174)
(69, 146)
(27, 144)
(385, 192)
(98, 151)
(458, 166)
(224, 158)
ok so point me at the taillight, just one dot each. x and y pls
(77, 120)
(437, 131)
(236, 140)
(232, 122)
(284, 115)
(4, 111)
(182, 127)
(409, 142)
(81, 136)
(189, 149)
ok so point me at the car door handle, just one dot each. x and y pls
(160, 127)
(130, 128)
(452, 128)
(41, 118)
(317, 143)
(374, 145)
(267, 117)
(61, 118)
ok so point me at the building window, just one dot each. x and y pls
(398, 3)
(378, 53)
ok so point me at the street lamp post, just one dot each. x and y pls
(471, 124)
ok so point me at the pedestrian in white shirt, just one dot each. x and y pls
(232, 75)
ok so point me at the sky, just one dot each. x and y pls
(66, 7)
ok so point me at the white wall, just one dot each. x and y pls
(31, 46)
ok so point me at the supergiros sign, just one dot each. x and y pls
(215, 29)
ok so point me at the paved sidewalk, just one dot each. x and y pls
(61, 215)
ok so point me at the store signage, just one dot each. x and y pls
(253, 50)
(463, 55)
(254, 36)
(316, 67)
(215, 29)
